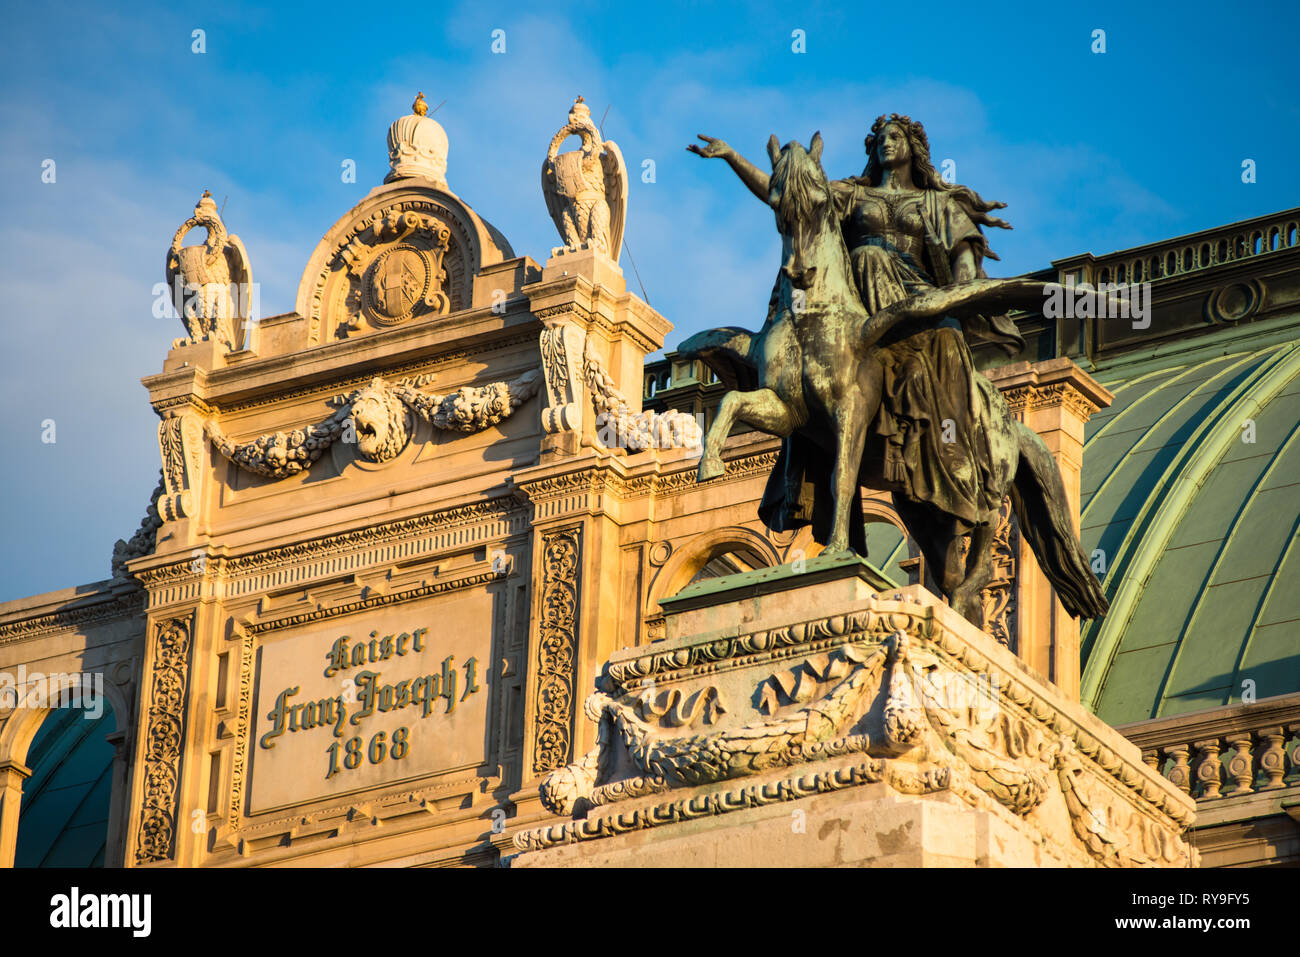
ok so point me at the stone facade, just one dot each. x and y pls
(402, 530)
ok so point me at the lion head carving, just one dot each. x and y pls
(382, 423)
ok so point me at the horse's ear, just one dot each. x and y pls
(815, 147)
(773, 148)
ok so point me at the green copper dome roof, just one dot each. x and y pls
(1191, 493)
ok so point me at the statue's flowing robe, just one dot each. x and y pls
(930, 439)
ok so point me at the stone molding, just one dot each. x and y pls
(426, 589)
(93, 612)
(497, 517)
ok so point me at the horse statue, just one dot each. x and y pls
(812, 375)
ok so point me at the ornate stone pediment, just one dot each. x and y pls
(407, 253)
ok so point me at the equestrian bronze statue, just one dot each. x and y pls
(863, 369)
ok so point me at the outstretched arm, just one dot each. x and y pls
(749, 174)
(962, 298)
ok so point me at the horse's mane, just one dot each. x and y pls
(796, 182)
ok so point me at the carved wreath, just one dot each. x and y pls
(379, 419)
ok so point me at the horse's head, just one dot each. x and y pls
(800, 195)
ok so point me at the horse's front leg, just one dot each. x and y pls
(852, 416)
(966, 597)
(762, 408)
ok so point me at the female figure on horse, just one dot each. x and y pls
(907, 231)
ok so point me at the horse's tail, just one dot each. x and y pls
(726, 352)
(1038, 497)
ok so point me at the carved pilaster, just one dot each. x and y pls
(243, 723)
(164, 739)
(1054, 398)
(12, 776)
(556, 694)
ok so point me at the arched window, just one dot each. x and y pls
(64, 817)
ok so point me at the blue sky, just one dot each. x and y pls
(1091, 152)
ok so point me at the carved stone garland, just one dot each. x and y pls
(552, 743)
(164, 734)
(572, 367)
(378, 419)
(618, 426)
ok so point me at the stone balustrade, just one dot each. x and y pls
(1186, 254)
(1227, 752)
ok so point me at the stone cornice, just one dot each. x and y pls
(247, 567)
(1028, 387)
(331, 367)
(100, 608)
(379, 600)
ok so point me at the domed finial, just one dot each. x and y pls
(417, 146)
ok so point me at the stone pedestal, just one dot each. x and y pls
(806, 719)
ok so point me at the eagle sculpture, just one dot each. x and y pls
(586, 189)
(211, 283)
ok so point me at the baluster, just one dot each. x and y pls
(1293, 753)
(1272, 760)
(1180, 775)
(1208, 772)
(1152, 759)
(1241, 766)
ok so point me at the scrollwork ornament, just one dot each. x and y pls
(164, 738)
(555, 689)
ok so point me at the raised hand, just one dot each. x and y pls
(713, 148)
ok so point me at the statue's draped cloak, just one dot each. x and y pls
(931, 436)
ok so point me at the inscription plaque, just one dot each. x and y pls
(371, 699)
